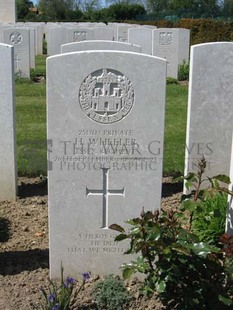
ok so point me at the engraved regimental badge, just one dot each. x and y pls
(80, 36)
(165, 38)
(106, 96)
(16, 38)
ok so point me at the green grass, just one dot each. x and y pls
(41, 65)
(31, 126)
(175, 128)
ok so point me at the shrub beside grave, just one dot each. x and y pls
(111, 294)
(186, 271)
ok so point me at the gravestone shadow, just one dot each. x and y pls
(15, 262)
(4, 229)
(37, 188)
(170, 188)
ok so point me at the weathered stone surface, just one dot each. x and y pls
(105, 131)
(99, 45)
(20, 39)
(173, 45)
(209, 122)
(8, 179)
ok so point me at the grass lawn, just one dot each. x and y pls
(175, 128)
(31, 125)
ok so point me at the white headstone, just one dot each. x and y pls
(122, 32)
(79, 34)
(99, 45)
(142, 37)
(20, 39)
(7, 11)
(103, 33)
(38, 36)
(105, 131)
(56, 37)
(8, 175)
(32, 47)
(173, 45)
(210, 108)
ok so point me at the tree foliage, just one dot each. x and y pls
(59, 9)
(118, 10)
(124, 11)
(23, 8)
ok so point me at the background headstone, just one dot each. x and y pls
(20, 39)
(79, 34)
(8, 175)
(103, 33)
(99, 45)
(210, 108)
(56, 37)
(173, 45)
(142, 37)
(105, 133)
(122, 31)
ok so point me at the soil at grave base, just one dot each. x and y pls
(24, 254)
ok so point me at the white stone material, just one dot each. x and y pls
(105, 150)
(142, 37)
(122, 32)
(20, 39)
(7, 11)
(173, 45)
(99, 45)
(56, 37)
(210, 107)
(8, 175)
(103, 33)
(79, 34)
(32, 47)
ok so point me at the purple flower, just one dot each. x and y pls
(56, 307)
(86, 276)
(51, 298)
(69, 282)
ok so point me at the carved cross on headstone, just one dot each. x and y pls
(105, 192)
(17, 60)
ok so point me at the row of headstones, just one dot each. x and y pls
(105, 137)
(169, 43)
(27, 39)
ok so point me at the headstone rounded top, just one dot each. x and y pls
(106, 96)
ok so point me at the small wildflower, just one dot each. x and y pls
(69, 282)
(86, 276)
(56, 307)
(51, 298)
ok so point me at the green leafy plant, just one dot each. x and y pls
(111, 294)
(59, 297)
(21, 80)
(44, 47)
(183, 71)
(171, 80)
(195, 201)
(186, 272)
(210, 217)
